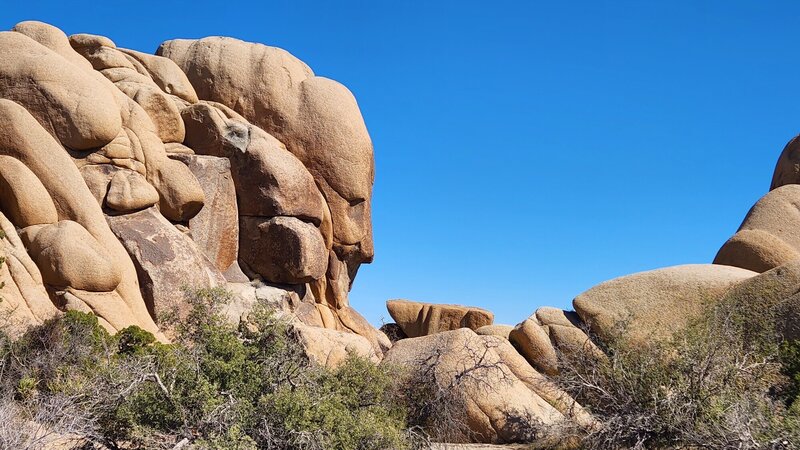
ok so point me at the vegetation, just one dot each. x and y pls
(728, 381)
(214, 387)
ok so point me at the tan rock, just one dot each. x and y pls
(118, 68)
(773, 296)
(22, 195)
(215, 229)
(24, 299)
(270, 181)
(282, 249)
(97, 178)
(22, 138)
(330, 348)
(421, 319)
(70, 105)
(768, 236)
(79, 40)
(317, 119)
(181, 196)
(787, 169)
(495, 330)
(68, 256)
(566, 332)
(166, 74)
(129, 191)
(534, 344)
(52, 38)
(168, 262)
(654, 304)
(468, 378)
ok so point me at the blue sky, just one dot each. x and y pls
(525, 151)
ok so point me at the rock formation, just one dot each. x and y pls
(126, 177)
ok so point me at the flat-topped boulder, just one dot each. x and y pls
(422, 319)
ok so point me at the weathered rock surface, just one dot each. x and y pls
(484, 384)
(656, 303)
(215, 229)
(499, 330)
(330, 348)
(567, 332)
(80, 112)
(282, 249)
(768, 235)
(167, 261)
(534, 344)
(281, 95)
(421, 319)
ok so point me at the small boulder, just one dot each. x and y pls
(421, 319)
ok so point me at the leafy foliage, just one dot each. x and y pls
(213, 387)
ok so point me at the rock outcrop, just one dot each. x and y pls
(126, 177)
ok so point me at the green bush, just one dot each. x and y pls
(214, 386)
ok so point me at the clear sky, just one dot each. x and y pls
(525, 151)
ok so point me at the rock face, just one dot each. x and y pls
(768, 236)
(421, 319)
(484, 386)
(167, 261)
(125, 177)
(656, 303)
(318, 121)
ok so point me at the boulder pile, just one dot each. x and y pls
(127, 177)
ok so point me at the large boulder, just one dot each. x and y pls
(167, 261)
(76, 109)
(421, 319)
(656, 303)
(768, 236)
(486, 390)
(282, 249)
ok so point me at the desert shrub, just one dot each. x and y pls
(723, 382)
(215, 386)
